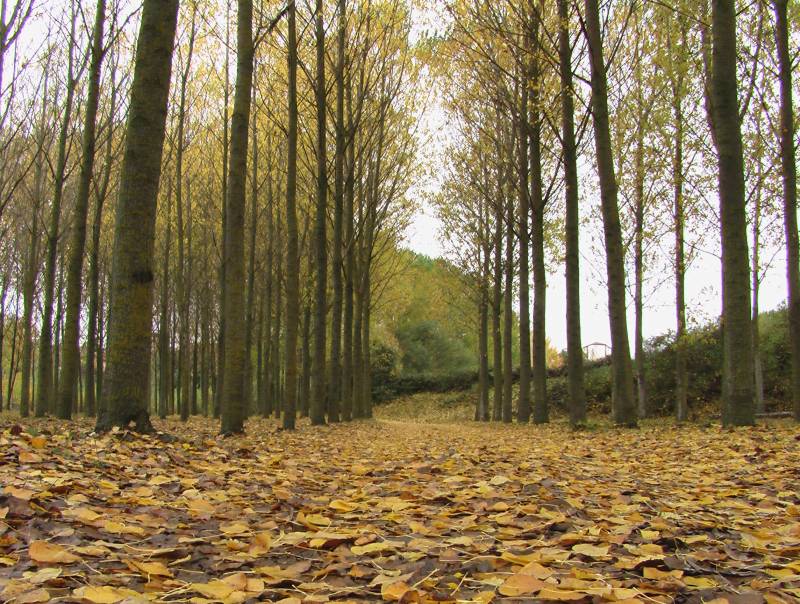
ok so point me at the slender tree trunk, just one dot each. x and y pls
(335, 393)
(348, 339)
(758, 374)
(508, 311)
(524, 402)
(220, 374)
(45, 395)
(638, 261)
(305, 380)
(541, 412)
(789, 172)
(738, 396)
(318, 397)
(13, 365)
(251, 277)
(681, 374)
(624, 406)
(72, 356)
(125, 391)
(497, 306)
(233, 402)
(292, 259)
(270, 347)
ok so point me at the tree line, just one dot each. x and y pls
(679, 117)
(199, 201)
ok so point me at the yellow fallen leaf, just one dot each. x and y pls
(235, 528)
(83, 514)
(42, 575)
(216, 589)
(38, 442)
(399, 591)
(29, 457)
(100, 595)
(593, 551)
(699, 582)
(521, 585)
(560, 595)
(342, 506)
(155, 569)
(50, 553)
(119, 528)
(535, 569)
(651, 572)
(24, 494)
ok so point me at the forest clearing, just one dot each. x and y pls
(399, 511)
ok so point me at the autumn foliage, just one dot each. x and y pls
(399, 512)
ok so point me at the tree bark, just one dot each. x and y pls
(523, 173)
(233, 402)
(125, 390)
(72, 355)
(738, 404)
(318, 397)
(44, 397)
(624, 407)
(789, 172)
(335, 393)
(292, 259)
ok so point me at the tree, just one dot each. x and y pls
(318, 395)
(71, 362)
(233, 403)
(125, 393)
(789, 173)
(292, 258)
(738, 403)
(624, 405)
(575, 384)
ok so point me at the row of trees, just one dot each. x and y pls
(241, 184)
(688, 102)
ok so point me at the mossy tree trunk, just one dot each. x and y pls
(125, 387)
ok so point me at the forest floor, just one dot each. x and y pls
(399, 511)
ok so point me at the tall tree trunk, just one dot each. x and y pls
(638, 262)
(44, 396)
(541, 412)
(220, 374)
(164, 337)
(233, 403)
(524, 402)
(738, 404)
(335, 384)
(305, 380)
(72, 354)
(575, 383)
(349, 198)
(508, 311)
(681, 374)
(789, 172)
(318, 397)
(251, 278)
(624, 406)
(267, 396)
(497, 305)
(130, 326)
(758, 374)
(292, 259)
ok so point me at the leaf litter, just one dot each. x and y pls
(399, 512)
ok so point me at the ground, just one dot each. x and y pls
(399, 511)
